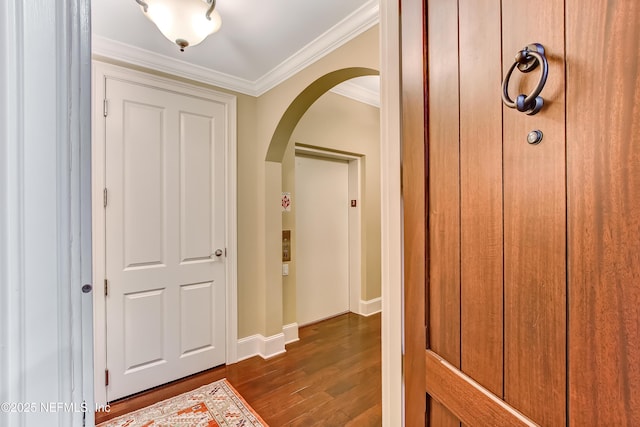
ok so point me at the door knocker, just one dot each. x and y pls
(527, 60)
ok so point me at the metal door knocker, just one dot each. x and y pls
(527, 60)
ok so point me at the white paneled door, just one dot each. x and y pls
(322, 224)
(165, 236)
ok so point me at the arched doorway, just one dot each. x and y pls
(301, 104)
(281, 139)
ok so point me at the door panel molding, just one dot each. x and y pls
(102, 71)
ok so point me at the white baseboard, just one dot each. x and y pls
(290, 332)
(373, 306)
(267, 347)
(259, 345)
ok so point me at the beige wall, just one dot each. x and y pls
(262, 271)
(338, 123)
(260, 284)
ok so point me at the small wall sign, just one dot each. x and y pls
(286, 202)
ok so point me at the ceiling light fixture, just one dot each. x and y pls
(183, 22)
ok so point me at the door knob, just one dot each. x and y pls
(218, 252)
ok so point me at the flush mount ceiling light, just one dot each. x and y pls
(183, 22)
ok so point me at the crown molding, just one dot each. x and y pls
(358, 93)
(103, 47)
(352, 26)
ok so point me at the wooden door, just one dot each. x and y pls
(164, 223)
(522, 266)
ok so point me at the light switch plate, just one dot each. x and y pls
(285, 269)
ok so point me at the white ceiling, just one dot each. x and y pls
(260, 44)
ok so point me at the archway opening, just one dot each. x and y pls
(301, 104)
(277, 165)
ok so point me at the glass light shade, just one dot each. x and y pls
(183, 21)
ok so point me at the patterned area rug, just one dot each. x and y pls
(215, 405)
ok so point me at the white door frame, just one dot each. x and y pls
(391, 216)
(45, 228)
(101, 71)
(355, 220)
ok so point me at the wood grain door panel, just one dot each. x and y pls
(603, 152)
(444, 193)
(481, 218)
(535, 221)
(522, 262)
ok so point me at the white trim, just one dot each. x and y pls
(352, 26)
(12, 317)
(358, 93)
(43, 210)
(101, 72)
(267, 347)
(321, 152)
(231, 219)
(259, 345)
(98, 248)
(290, 332)
(75, 113)
(111, 49)
(371, 307)
(391, 216)
(355, 233)
(83, 86)
(248, 347)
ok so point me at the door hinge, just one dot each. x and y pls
(106, 377)
(104, 197)
(106, 287)
(105, 107)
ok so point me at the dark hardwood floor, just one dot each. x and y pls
(331, 377)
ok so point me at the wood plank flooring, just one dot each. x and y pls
(331, 377)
